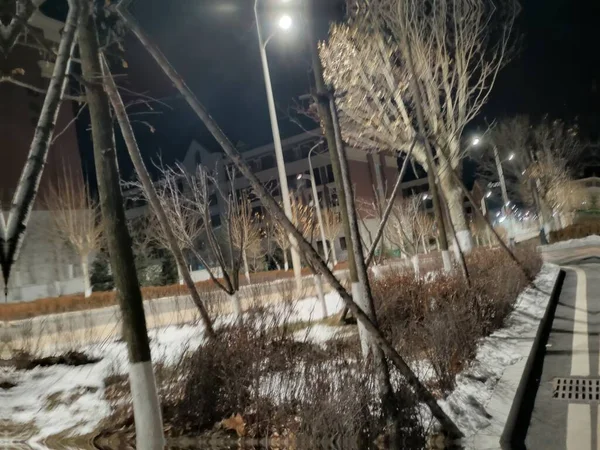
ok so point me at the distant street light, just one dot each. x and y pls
(511, 156)
(476, 141)
(285, 22)
(489, 194)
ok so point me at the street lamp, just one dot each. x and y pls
(315, 194)
(507, 212)
(476, 141)
(285, 22)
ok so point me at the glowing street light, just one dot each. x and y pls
(511, 156)
(476, 141)
(285, 22)
(489, 194)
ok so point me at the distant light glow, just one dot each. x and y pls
(511, 156)
(299, 177)
(476, 141)
(285, 22)
(489, 194)
(425, 196)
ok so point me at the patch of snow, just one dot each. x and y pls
(473, 404)
(573, 243)
(77, 401)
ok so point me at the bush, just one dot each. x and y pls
(443, 320)
(576, 231)
(274, 383)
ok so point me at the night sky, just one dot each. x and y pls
(213, 44)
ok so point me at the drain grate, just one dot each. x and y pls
(576, 389)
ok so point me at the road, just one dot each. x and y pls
(561, 418)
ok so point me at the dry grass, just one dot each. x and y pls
(442, 321)
(576, 231)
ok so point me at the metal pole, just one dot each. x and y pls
(505, 200)
(318, 205)
(283, 184)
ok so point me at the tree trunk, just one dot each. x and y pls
(146, 407)
(416, 267)
(333, 252)
(286, 265)
(454, 197)
(31, 175)
(85, 271)
(321, 295)
(275, 211)
(183, 272)
(236, 306)
(246, 268)
(425, 249)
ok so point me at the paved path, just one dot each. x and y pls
(572, 351)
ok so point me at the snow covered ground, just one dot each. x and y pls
(63, 399)
(593, 240)
(485, 390)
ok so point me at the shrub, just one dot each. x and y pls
(576, 231)
(279, 385)
(443, 320)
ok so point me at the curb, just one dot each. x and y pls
(515, 430)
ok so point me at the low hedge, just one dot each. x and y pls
(576, 231)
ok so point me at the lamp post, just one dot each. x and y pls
(505, 201)
(315, 195)
(285, 22)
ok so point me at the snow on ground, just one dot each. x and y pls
(589, 240)
(469, 404)
(71, 399)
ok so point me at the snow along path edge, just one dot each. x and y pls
(481, 402)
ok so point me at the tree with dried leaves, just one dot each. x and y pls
(405, 230)
(246, 232)
(76, 219)
(457, 49)
(303, 219)
(332, 223)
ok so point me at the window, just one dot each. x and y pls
(198, 159)
(212, 200)
(320, 246)
(215, 220)
(343, 243)
(318, 180)
(267, 162)
(257, 211)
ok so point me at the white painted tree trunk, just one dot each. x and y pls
(425, 246)
(320, 294)
(333, 253)
(246, 268)
(146, 407)
(416, 266)
(85, 270)
(359, 297)
(447, 261)
(286, 264)
(236, 306)
(179, 275)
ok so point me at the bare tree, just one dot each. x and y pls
(403, 230)
(303, 219)
(246, 233)
(76, 219)
(455, 62)
(332, 223)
